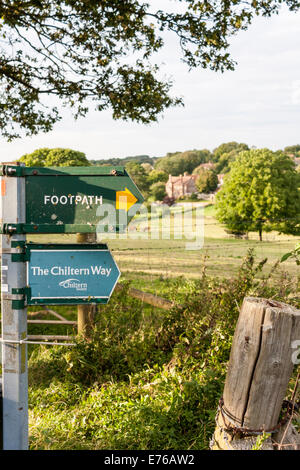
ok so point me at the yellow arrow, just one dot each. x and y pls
(125, 199)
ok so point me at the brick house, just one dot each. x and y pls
(183, 185)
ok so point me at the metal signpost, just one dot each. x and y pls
(52, 200)
(14, 319)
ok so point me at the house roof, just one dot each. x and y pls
(182, 179)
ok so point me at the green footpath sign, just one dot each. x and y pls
(77, 199)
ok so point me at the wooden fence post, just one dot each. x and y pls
(86, 313)
(260, 367)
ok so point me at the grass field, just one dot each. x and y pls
(152, 379)
(143, 260)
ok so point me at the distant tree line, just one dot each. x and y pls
(260, 202)
(116, 161)
(151, 173)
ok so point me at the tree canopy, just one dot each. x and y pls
(207, 180)
(86, 50)
(178, 163)
(158, 190)
(55, 157)
(139, 176)
(228, 148)
(156, 176)
(223, 162)
(115, 161)
(292, 149)
(261, 193)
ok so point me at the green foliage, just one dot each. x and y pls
(147, 167)
(158, 190)
(55, 157)
(192, 198)
(207, 181)
(261, 193)
(139, 176)
(292, 149)
(225, 160)
(295, 254)
(148, 379)
(179, 163)
(86, 51)
(225, 154)
(199, 169)
(228, 148)
(156, 176)
(123, 161)
(260, 440)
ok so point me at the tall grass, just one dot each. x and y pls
(149, 379)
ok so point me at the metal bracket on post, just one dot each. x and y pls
(11, 229)
(12, 170)
(18, 300)
(17, 251)
(14, 313)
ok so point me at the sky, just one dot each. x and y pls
(258, 103)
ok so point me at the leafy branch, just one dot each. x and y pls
(85, 51)
(295, 254)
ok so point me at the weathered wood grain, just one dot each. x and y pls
(274, 367)
(260, 365)
(243, 357)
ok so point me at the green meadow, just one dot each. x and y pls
(150, 378)
(150, 254)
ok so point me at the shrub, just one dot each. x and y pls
(149, 379)
(158, 190)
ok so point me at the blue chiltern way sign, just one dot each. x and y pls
(70, 274)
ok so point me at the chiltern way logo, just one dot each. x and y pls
(73, 284)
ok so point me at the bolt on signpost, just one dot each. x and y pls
(53, 200)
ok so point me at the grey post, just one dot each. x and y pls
(14, 319)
